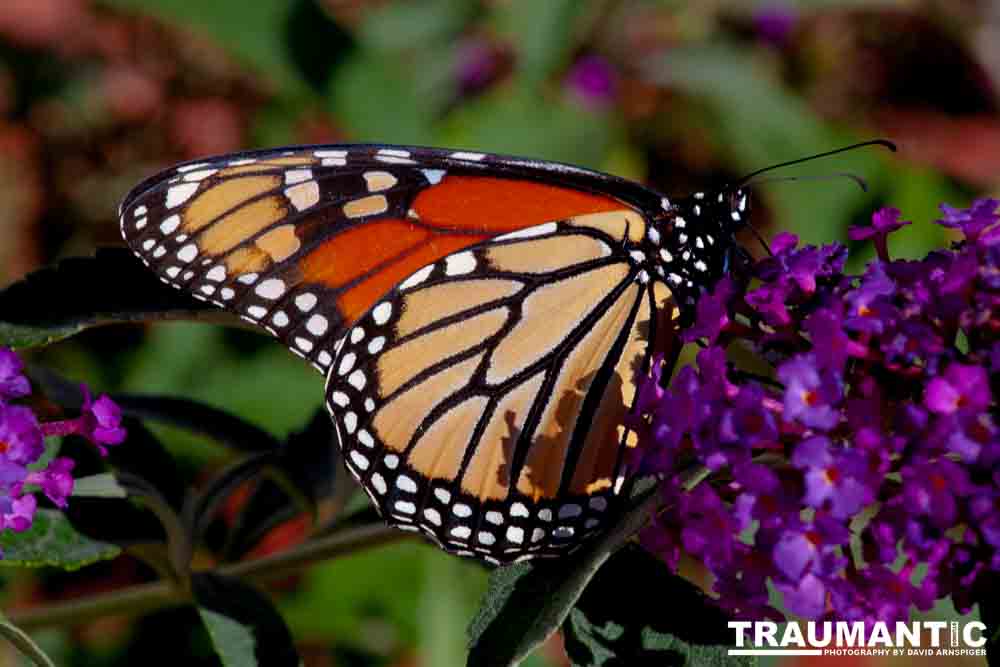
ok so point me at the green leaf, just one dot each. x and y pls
(527, 602)
(402, 26)
(245, 628)
(52, 541)
(678, 624)
(103, 485)
(543, 33)
(84, 292)
(514, 122)
(380, 101)
(24, 643)
(251, 31)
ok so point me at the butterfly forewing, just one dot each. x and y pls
(303, 241)
(481, 401)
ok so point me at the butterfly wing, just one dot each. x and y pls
(481, 400)
(303, 241)
(480, 319)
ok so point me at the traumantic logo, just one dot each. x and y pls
(930, 638)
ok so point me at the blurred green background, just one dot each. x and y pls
(96, 95)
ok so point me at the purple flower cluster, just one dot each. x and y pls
(867, 449)
(22, 444)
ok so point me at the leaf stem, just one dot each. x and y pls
(149, 597)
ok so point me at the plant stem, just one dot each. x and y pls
(149, 597)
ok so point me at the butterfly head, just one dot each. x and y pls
(699, 239)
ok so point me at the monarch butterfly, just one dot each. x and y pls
(480, 319)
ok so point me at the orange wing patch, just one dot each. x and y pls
(500, 204)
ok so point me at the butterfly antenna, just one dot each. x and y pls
(874, 142)
(861, 183)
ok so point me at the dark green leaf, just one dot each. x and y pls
(760, 122)
(52, 541)
(243, 624)
(404, 26)
(25, 644)
(315, 42)
(203, 510)
(676, 625)
(83, 292)
(244, 29)
(543, 32)
(527, 602)
(307, 462)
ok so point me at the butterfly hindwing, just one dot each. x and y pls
(481, 400)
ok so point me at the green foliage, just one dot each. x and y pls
(607, 627)
(24, 643)
(245, 628)
(51, 541)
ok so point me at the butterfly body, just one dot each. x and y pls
(480, 319)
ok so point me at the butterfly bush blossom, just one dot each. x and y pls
(22, 445)
(864, 453)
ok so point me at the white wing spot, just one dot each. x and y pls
(366, 439)
(463, 155)
(170, 225)
(461, 510)
(444, 495)
(515, 534)
(519, 509)
(293, 176)
(272, 288)
(350, 422)
(379, 483)
(303, 344)
(494, 517)
(306, 302)
(317, 325)
(248, 278)
(530, 232)
(360, 460)
(463, 262)
(486, 538)
(187, 253)
(324, 358)
(217, 274)
(433, 516)
(340, 398)
(391, 461)
(406, 484)
(357, 379)
(461, 532)
(179, 194)
(347, 363)
(195, 176)
(417, 278)
(357, 334)
(376, 345)
(433, 176)
(382, 312)
(280, 319)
